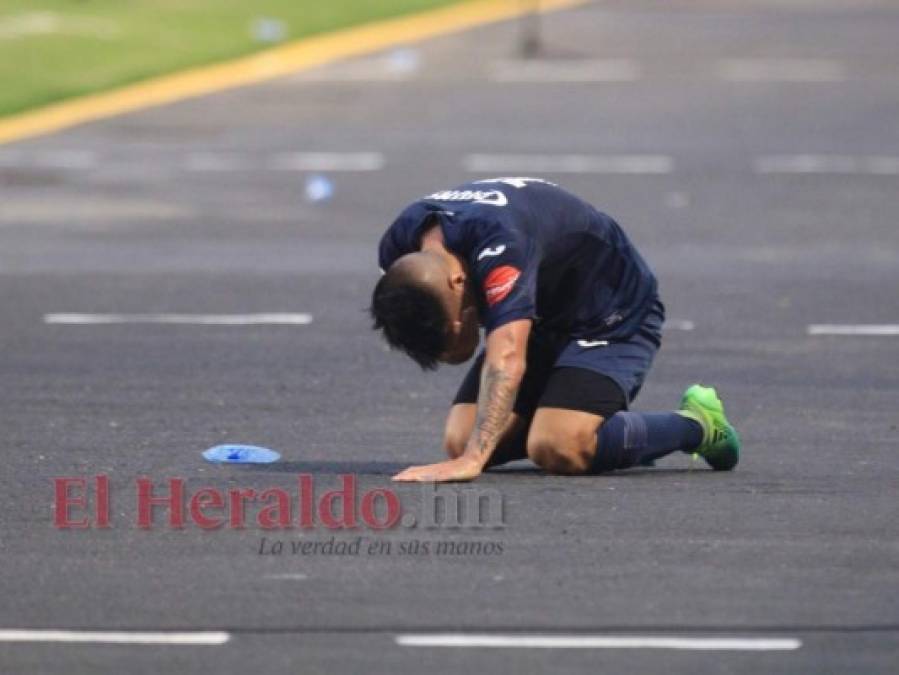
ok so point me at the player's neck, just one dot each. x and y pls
(432, 239)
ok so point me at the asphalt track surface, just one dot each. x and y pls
(122, 217)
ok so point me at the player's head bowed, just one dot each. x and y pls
(424, 308)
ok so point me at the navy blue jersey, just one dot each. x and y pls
(535, 252)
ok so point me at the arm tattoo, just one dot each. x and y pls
(495, 400)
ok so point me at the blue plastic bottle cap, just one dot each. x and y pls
(241, 454)
(319, 189)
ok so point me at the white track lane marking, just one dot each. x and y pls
(474, 640)
(599, 70)
(183, 319)
(876, 165)
(327, 161)
(680, 324)
(116, 637)
(875, 330)
(74, 160)
(781, 70)
(603, 164)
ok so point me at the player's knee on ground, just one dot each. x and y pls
(563, 451)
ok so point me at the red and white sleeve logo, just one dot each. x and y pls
(499, 283)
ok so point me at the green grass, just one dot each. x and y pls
(57, 49)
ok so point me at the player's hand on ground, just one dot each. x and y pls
(454, 470)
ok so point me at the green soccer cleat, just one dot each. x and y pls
(720, 445)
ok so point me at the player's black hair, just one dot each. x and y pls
(412, 319)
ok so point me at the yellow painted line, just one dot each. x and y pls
(278, 62)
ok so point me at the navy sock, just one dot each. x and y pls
(630, 438)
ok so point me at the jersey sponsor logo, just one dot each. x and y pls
(491, 252)
(586, 344)
(499, 283)
(489, 197)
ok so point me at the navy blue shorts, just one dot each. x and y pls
(596, 376)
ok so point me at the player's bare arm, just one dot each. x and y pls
(504, 367)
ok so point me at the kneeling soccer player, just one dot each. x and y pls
(573, 321)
